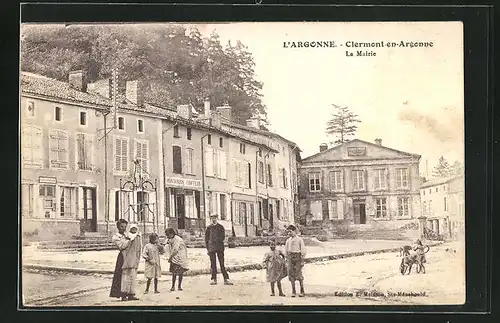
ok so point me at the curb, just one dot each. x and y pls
(205, 271)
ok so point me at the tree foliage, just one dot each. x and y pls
(442, 169)
(342, 125)
(178, 65)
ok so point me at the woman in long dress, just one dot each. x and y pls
(122, 242)
(131, 258)
(177, 252)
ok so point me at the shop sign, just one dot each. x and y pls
(183, 182)
(356, 151)
(47, 180)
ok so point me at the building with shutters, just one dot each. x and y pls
(443, 205)
(359, 182)
(64, 159)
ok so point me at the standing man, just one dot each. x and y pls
(214, 240)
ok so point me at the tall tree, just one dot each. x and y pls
(342, 125)
(442, 169)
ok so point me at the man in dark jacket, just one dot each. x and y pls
(214, 240)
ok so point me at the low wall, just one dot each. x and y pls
(49, 229)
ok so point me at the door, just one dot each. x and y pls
(356, 213)
(89, 209)
(180, 210)
(362, 213)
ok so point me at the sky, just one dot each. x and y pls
(411, 98)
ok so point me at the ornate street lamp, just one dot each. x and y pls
(140, 183)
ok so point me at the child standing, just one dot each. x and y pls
(274, 261)
(295, 252)
(152, 267)
(177, 257)
(419, 248)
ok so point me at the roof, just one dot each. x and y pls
(51, 89)
(260, 131)
(439, 181)
(365, 142)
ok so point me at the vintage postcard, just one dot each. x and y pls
(242, 164)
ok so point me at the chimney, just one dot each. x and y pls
(323, 147)
(185, 111)
(76, 80)
(215, 119)
(254, 122)
(101, 87)
(225, 112)
(207, 108)
(134, 92)
(378, 142)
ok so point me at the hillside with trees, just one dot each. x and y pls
(179, 66)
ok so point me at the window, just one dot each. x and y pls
(176, 131)
(317, 210)
(215, 163)
(221, 143)
(68, 202)
(142, 156)
(284, 176)
(403, 207)
(445, 205)
(251, 213)
(424, 208)
(83, 152)
(27, 200)
(430, 208)
(58, 149)
(188, 133)
(32, 142)
(223, 206)
(381, 205)
(30, 109)
(332, 210)
(380, 179)
(243, 173)
(242, 148)
(47, 190)
(436, 189)
(83, 118)
(269, 175)
(177, 159)
(278, 209)
(121, 123)
(402, 177)
(294, 182)
(260, 172)
(209, 139)
(358, 180)
(140, 126)
(314, 182)
(283, 150)
(190, 205)
(189, 161)
(430, 191)
(336, 180)
(58, 114)
(121, 155)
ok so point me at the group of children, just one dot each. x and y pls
(278, 263)
(177, 257)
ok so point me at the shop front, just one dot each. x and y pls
(183, 198)
(245, 210)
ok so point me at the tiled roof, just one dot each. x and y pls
(52, 88)
(439, 181)
(259, 131)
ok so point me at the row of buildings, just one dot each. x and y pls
(91, 156)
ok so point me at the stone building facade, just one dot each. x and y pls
(443, 205)
(359, 182)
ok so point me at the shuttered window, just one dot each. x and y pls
(121, 155)
(269, 175)
(58, 149)
(84, 153)
(189, 161)
(177, 159)
(142, 156)
(260, 172)
(209, 161)
(32, 142)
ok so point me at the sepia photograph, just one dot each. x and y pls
(242, 163)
